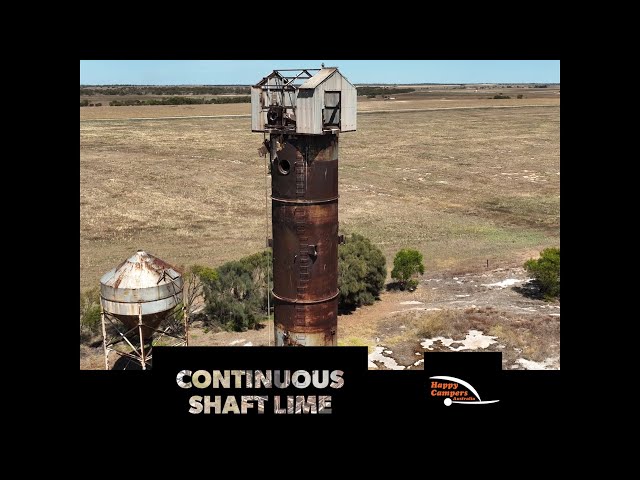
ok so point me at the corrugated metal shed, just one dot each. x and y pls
(258, 117)
(324, 102)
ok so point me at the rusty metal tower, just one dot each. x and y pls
(304, 111)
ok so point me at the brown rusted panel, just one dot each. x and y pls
(314, 159)
(320, 321)
(305, 238)
(290, 264)
(318, 316)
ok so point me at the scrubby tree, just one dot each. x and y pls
(195, 277)
(362, 272)
(90, 321)
(406, 265)
(546, 271)
(237, 296)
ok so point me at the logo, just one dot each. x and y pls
(456, 390)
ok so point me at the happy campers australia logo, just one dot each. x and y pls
(455, 390)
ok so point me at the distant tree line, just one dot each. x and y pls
(383, 90)
(179, 101)
(165, 90)
(85, 103)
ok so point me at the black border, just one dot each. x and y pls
(539, 393)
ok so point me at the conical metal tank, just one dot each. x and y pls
(141, 285)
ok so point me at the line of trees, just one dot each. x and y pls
(383, 90)
(85, 103)
(165, 90)
(179, 101)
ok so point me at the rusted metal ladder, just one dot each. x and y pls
(304, 261)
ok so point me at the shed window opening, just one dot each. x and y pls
(331, 113)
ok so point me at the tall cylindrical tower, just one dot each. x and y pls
(305, 238)
(304, 113)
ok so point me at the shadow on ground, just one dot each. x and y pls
(399, 287)
(530, 289)
(124, 363)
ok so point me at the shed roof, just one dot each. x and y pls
(141, 270)
(264, 80)
(318, 78)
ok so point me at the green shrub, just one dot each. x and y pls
(90, 322)
(520, 96)
(406, 265)
(546, 271)
(501, 97)
(237, 295)
(362, 272)
(84, 103)
(195, 278)
(236, 292)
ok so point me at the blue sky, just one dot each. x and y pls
(212, 72)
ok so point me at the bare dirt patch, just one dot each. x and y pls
(525, 330)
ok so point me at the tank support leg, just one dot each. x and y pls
(186, 325)
(104, 340)
(143, 361)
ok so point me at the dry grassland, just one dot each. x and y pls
(462, 186)
(423, 98)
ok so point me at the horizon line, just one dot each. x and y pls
(248, 84)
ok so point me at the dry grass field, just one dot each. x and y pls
(461, 180)
(422, 98)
